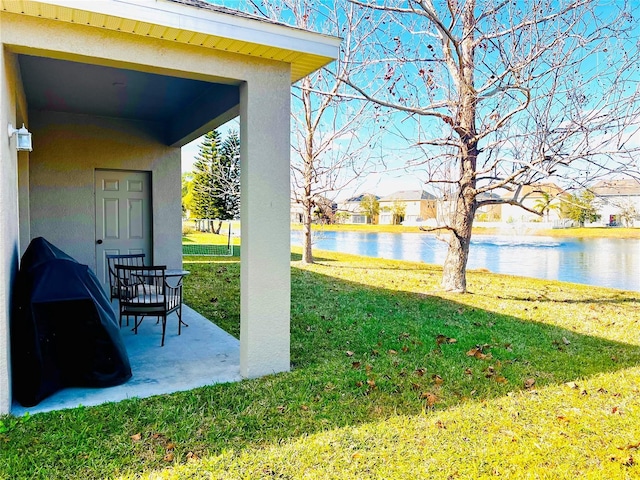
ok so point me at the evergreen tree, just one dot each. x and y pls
(228, 177)
(216, 180)
(204, 200)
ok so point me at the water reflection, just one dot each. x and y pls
(605, 262)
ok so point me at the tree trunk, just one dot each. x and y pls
(307, 253)
(454, 274)
(307, 201)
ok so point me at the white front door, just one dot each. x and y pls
(123, 216)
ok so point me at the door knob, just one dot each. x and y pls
(99, 242)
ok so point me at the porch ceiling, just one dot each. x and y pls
(179, 105)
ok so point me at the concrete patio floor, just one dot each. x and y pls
(203, 354)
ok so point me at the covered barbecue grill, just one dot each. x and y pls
(64, 332)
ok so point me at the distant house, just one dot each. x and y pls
(323, 210)
(545, 197)
(617, 201)
(491, 212)
(349, 210)
(407, 206)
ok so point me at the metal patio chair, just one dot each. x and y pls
(131, 259)
(148, 292)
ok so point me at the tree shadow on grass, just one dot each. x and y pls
(359, 354)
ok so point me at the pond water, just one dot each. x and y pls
(606, 262)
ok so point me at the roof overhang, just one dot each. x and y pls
(219, 30)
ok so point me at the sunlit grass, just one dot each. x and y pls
(391, 378)
(206, 238)
(593, 232)
(586, 430)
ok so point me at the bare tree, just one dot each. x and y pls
(500, 94)
(333, 137)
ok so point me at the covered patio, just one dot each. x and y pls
(203, 354)
(111, 90)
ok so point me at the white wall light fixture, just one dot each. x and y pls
(23, 137)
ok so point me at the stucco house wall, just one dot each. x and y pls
(531, 197)
(68, 149)
(11, 111)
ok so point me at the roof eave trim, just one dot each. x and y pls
(210, 22)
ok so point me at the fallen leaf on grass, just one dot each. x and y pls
(437, 379)
(169, 457)
(429, 397)
(349, 353)
(136, 437)
(631, 446)
(565, 341)
(392, 352)
(192, 457)
(478, 352)
(529, 382)
(440, 339)
(573, 385)
(500, 379)
(420, 371)
(355, 365)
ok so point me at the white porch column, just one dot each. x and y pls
(265, 275)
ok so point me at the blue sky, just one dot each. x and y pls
(396, 152)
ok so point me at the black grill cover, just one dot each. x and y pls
(64, 332)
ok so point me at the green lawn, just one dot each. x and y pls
(391, 378)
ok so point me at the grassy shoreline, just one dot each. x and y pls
(391, 378)
(577, 232)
